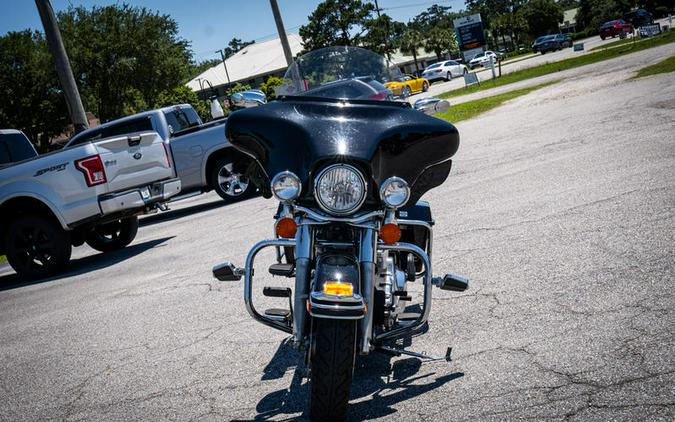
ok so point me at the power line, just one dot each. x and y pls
(414, 5)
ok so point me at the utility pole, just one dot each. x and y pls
(222, 56)
(282, 32)
(62, 64)
(386, 36)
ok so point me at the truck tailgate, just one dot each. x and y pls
(134, 160)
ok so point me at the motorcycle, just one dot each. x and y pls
(348, 165)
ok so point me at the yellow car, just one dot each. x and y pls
(406, 85)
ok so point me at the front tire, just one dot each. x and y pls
(332, 365)
(425, 87)
(37, 246)
(114, 235)
(229, 181)
(405, 92)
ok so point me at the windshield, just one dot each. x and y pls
(340, 72)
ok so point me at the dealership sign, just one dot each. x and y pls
(470, 34)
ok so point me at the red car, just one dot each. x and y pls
(614, 28)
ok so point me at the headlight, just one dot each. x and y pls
(340, 189)
(394, 192)
(286, 186)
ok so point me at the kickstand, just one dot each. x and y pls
(398, 352)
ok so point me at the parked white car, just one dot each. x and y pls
(483, 59)
(444, 70)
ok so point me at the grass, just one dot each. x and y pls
(664, 66)
(470, 109)
(566, 64)
(3, 259)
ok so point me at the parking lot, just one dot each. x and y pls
(560, 208)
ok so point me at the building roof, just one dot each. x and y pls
(256, 59)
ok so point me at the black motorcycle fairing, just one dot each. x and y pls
(384, 139)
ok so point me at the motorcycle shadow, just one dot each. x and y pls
(380, 381)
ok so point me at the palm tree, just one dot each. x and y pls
(439, 40)
(410, 41)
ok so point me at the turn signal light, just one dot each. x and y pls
(338, 289)
(390, 233)
(286, 227)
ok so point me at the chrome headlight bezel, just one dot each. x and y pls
(390, 182)
(287, 194)
(357, 204)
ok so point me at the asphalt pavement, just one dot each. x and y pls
(560, 208)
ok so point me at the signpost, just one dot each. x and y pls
(470, 35)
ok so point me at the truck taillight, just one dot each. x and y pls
(166, 153)
(92, 168)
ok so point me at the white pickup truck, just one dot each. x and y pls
(91, 192)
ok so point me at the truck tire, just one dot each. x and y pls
(114, 235)
(230, 184)
(331, 363)
(37, 246)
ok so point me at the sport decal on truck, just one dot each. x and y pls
(58, 167)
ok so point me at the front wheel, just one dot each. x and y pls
(114, 235)
(405, 92)
(425, 87)
(229, 181)
(332, 363)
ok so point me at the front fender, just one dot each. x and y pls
(342, 268)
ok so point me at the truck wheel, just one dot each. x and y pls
(114, 235)
(37, 247)
(331, 363)
(230, 184)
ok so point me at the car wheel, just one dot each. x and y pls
(229, 181)
(37, 246)
(602, 37)
(425, 86)
(465, 71)
(114, 235)
(405, 92)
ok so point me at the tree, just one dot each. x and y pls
(542, 16)
(237, 87)
(410, 42)
(383, 34)
(123, 56)
(234, 46)
(336, 22)
(439, 41)
(434, 17)
(32, 100)
(593, 13)
(269, 86)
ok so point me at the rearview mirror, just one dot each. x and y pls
(250, 98)
(431, 105)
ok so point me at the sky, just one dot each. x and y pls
(210, 24)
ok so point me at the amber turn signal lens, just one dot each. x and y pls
(338, 289)
(286, 227)
(390, 233)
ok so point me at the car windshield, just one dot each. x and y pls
(545, 38)
(479, 55)
(340, 72)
